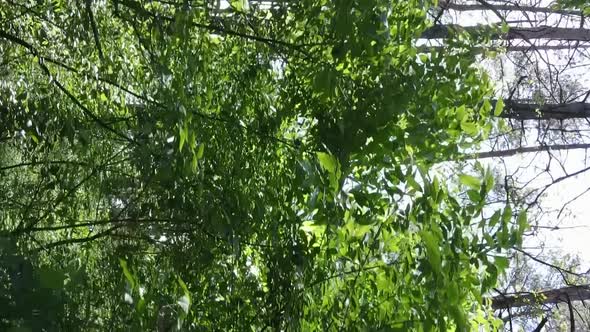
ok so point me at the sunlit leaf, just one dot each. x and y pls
(470, 181)
(499, 108)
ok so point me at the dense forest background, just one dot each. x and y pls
(291, 165)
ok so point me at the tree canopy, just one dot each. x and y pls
(178, 165)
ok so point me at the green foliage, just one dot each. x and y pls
(172, 166)
(573, 4)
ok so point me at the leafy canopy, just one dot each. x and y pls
(176, 165)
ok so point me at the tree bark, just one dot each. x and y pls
(448, 4)
(514, 48)
(527, 149)
(529, 111)
(552, 296)
(541, 324)
(541, 32)
(529, 48)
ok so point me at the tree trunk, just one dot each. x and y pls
(529, 48)
(541, 32)
(448, 4)
(514, 48)
(528, 111)
(527, 149)
(552, 296)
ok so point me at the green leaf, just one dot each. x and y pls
(487, 106)
(433, 253)
(181, 142)
(185, 300)
(183, 133)
(200, 151)
(127, 273)
(469, 127)
(453, 293)
(474, 196)
(489, 181)
(183, 286)
(470, 181)
(501, 262)
(503, 237)
(507, 214)
(494, 219)
(194, 163)
(34, 138)
(459, 317)
(499, 107)
(329, 163)
(505, 27)
(184, 303)
(239, 5)
(312, 228)
(522, 221)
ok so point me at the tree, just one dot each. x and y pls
(543, 290)
(544, 92)
(171, 165)
(514, 7)
(544, 68)
(552, 296)
(529, 111)
(530, 33)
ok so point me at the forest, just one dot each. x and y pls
(282, 165)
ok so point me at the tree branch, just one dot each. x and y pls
(73, 98)
(76, 240)
(40, 163)
(527, 149)
(552, 296)
(94, 29)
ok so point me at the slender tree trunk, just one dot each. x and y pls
(552, 296)
(449, 4)
(511, 48)
(541, 32)
(530, 111)
(541, 324)
(514, 48)
(526, 149)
